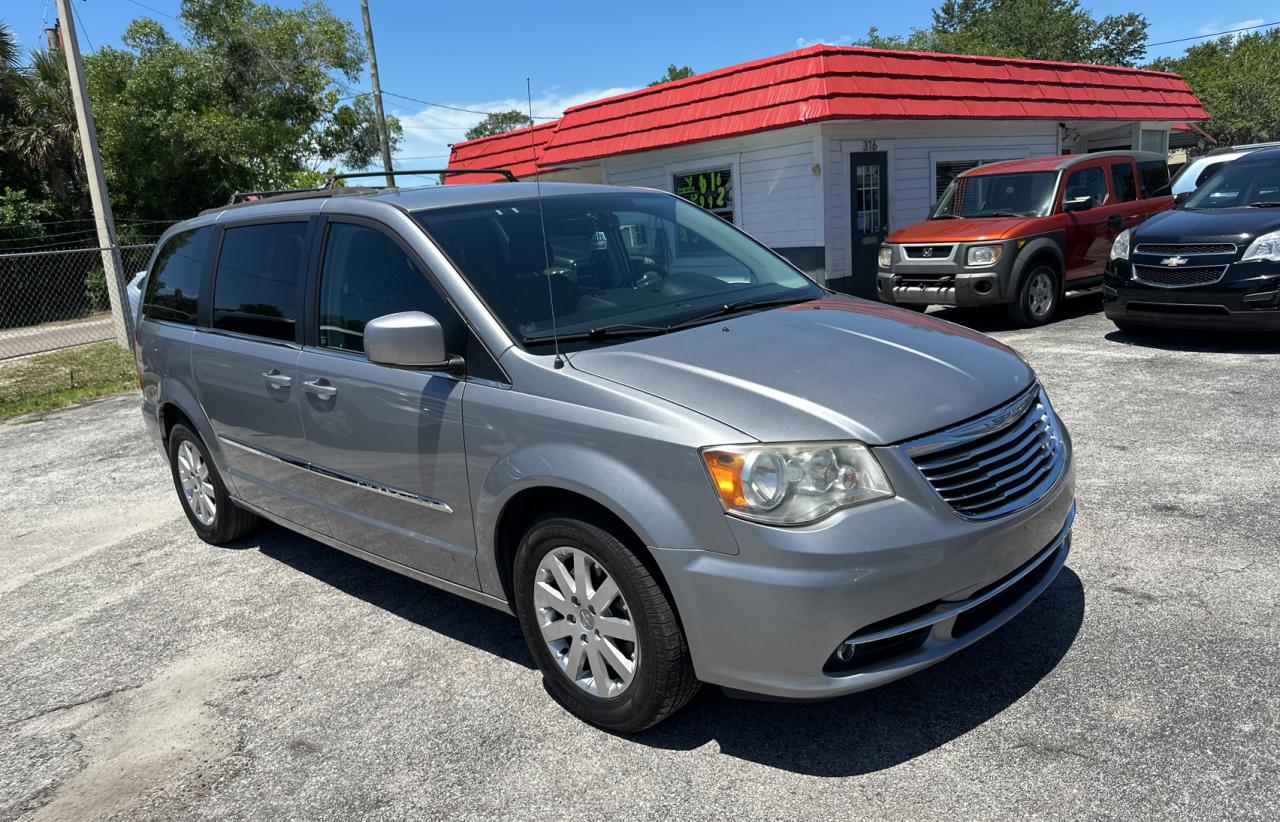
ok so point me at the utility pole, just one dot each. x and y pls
(112, 266)
(377, 94)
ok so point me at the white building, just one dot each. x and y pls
(821, 152)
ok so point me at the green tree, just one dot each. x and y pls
(1238, 80)
(673, 73)
(249, 99)
(44, 135)
(1033, 29)
(499, 122)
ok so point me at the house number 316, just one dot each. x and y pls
(870, 145)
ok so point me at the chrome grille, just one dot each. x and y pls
(1178, 277)
(1192, 248)
(997, 464)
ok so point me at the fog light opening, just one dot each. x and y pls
(982, 286)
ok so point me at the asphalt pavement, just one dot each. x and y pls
(146, 675)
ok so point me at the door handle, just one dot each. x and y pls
(320, 387)
(275, 379)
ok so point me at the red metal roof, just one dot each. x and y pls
(839, 83)
(513, 150)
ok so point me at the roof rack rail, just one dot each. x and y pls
(504, 172)
(330, 190)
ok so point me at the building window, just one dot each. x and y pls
(712, 190)
(947, 170)
(1156, 140)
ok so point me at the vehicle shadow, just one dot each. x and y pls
(461, 619)
(996, 318)
(1201, 342)
(888, 726)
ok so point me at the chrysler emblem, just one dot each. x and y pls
(1174, 262)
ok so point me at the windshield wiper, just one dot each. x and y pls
(996, 214)
(735, 307)
(1264, 204)
(946, 217)
(599, 333)
(630, 330)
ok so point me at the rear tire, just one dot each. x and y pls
(1038, 297)
(205, 499)
(603, 678)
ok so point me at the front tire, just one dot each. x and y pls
(205, 500)
(1038, 297)
(600, 627)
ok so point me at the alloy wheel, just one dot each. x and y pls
(1041, 294)
(585, 622)
(197, 488)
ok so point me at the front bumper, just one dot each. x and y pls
(945, 282)
(768, 620)
(1247, 298)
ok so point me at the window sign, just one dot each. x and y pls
(712, 190)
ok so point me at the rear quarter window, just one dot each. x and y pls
(257, 287)
(173, 284)
(1155, 177)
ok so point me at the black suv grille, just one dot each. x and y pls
(927, 252)
(1202, 248)
(1161, 275)
(1001, 462)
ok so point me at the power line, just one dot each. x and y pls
(452, 108)
(80, 21)
(1214, 34)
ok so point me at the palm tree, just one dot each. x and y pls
(43, 133)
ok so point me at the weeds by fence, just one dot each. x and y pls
(56, 299)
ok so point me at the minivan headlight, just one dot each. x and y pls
(794, 483)
(1120, 248)
(1266, 247)
(980, 255)
(886, 256)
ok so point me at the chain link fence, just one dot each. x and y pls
(57, 299)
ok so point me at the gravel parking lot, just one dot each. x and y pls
(146, 675)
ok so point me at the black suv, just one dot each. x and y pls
(1214, 262)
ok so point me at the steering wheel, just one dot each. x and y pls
(648, 276)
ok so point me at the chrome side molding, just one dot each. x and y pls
(339, 476)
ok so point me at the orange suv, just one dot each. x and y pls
(1022, 232)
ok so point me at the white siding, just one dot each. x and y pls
(777, 197)
(913, 147)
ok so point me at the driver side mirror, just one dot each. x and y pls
(1181, 197)
(1077, 204)
(409, 339)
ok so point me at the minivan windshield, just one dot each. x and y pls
(1249, 181)
(613, 264)
(1010, 194)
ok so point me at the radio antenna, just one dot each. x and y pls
(542, 221)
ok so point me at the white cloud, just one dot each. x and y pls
(842, 40)
(429, 130)
(1213, 28)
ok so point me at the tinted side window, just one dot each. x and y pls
(1087, 182)
(1155, 176)
(255, 290)
(1124, 182)
(173, 285)
(366, 275)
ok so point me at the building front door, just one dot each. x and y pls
(869, 190)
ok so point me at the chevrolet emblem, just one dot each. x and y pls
(1174, 262)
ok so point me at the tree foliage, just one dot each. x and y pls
(1033, 29)
(499, 122)
(250, 97)
(1238, 80)
(673, 73)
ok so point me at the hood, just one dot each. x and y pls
(1229, 225)
(972, 229)
(835, 368)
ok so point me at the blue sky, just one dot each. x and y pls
(477, 55)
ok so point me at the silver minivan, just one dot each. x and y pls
(671, 454)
